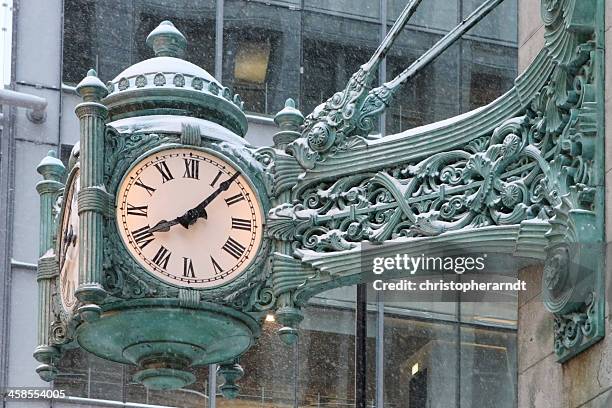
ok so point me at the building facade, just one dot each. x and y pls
(452, 354)
(585, 380)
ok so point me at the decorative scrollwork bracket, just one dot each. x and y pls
(522, 176)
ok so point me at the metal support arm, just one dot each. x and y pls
(522, 176)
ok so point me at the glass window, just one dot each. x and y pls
(195, 19)
(334, 47)
(110, 35)
(356, 9)
(432, 94)
(420, 363)
(327, 357)
(434, 15)
(488, 367)
(489, 55)
(269, 372)
(470, 74)
(261, 53)
(488, 71)
(84, 375)
(500, 24)
(79, 54)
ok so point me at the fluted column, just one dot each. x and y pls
(92, 199)
(52, 170)
(289, 121)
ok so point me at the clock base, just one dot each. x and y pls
(164, 378)
(165, 340)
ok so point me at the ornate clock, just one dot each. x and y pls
(171, 260)
(186, 217)
(189, 217)
(68, 244)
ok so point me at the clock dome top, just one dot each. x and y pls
(167, 84)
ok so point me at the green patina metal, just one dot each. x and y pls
(522, 176)
(47, 352)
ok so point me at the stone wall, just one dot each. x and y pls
(586, 380)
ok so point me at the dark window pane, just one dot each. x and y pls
(357, 9)
(500, 24)
(489, 55)
(327, 351)
(261, 54)
(110, 35)
(420, 363)
(488, 72)
(433, 15)
(268, 372)
(488, 364)
(79, 19)
(433, 94)
(472, 73)
(334, 47)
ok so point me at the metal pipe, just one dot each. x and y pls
(361, 333)
(24, 265)
(382, 70)
(36, 105)
(219, 41)
(380, 350)
(187, 390)
(212, 386)
(106, 403)
(392, 35)
(449, 39)
(69, 88)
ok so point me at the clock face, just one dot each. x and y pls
(189, 217)
(69, 245)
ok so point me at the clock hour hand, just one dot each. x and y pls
(164, 226)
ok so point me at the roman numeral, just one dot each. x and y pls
(143, 236)
(192, 169)
(216, 266)
(212, 184)
(149, 189)
(241, 224)
(162, 167)
(162, 257)
(137, 210)
(233, 248)
(188, 271)
(234, 199)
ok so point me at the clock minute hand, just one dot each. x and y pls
(199, 211)
(196, 212)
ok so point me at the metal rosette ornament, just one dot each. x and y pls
(569, 287)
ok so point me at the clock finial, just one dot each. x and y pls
(91, 89)
(289, 121)
(51, 168)
(167, 41)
